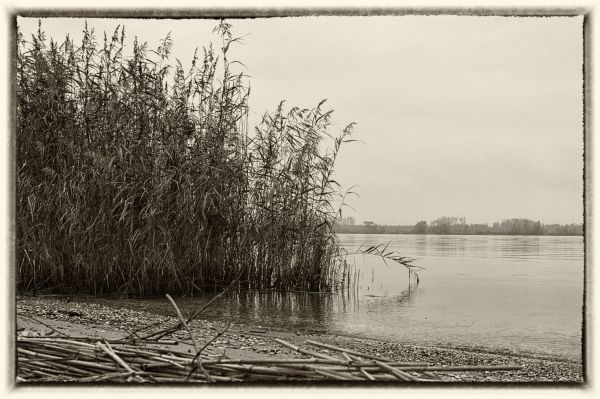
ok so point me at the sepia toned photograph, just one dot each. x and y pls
(300, 199)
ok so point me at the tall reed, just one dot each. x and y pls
(135, 175)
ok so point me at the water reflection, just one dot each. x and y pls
(375, 277)
(517, 247)
(296, 309)
(499, 291)
(376, 284)
(393, 305)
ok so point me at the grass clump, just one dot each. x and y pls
(135, 175)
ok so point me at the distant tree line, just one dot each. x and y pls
(458, 225)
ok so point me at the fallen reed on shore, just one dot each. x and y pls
(56, 359)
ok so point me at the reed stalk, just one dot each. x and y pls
(137, 176)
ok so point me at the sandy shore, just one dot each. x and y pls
(243, 341)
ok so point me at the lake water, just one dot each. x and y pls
(497, 292)
(511, 292)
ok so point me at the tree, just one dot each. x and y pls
(442, 225)
(348, 221)
(371, 226)
(420, 227)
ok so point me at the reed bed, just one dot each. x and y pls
(137, 176)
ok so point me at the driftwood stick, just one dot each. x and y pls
(114, 356)
(72, 369)
(402, 375)
(200, 310)
(303, 351)
(183, 322)
(101, 377)
(93, 365)
(366, 374)
(276, 361)
(60, 368)
(342, 374)
(55, 340)
(429, 376)
(278, 371)
(169, 330)
(461, 368)
(169, 361)
(35, 354)
(78, 340)
(336, 375)
(197, 357)
(134, 332)
(349, 351)
(313, 360)
(107, 348)
(361, 369)
(213, 339)
(44, 324)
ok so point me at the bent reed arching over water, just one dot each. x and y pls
(136, 177)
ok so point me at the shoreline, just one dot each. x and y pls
(256, 342)
(457, 234)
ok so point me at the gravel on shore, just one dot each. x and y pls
(243, 341)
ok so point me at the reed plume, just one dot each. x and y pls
(135, 175)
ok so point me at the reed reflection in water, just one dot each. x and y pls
(497, 292)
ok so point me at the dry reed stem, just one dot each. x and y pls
(198, 356)
(349, 351)
(354, 359)
(463, 368)
(169, 368)
(400, 374)
(184, 323)
(45, 325)
(303, 351)
(108, 350)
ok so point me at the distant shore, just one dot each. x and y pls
(343, 231)
(458, 226)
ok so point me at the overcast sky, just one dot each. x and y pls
(480, 117)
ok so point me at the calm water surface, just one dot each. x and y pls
(512, 292)
(496, 292)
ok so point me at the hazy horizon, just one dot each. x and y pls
(489, 222)
(478, 117)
